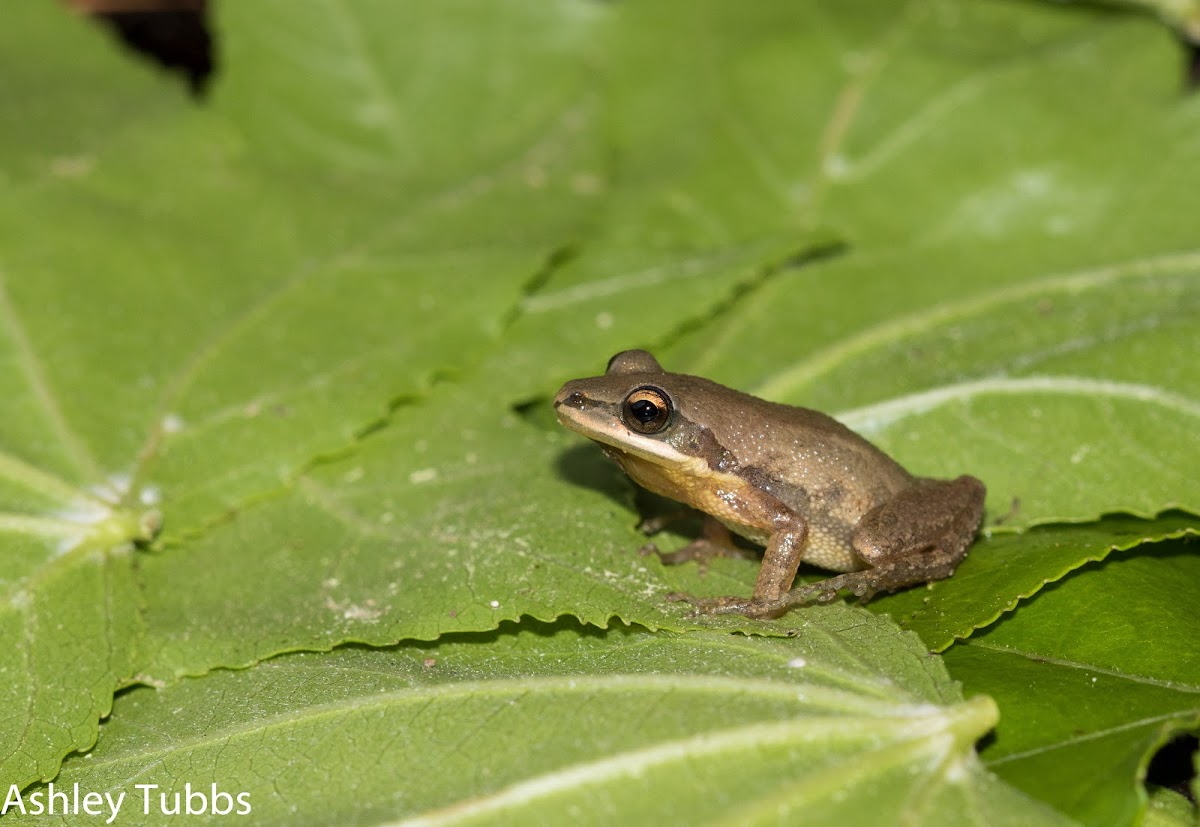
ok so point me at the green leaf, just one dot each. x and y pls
(1092, 675)
(69, 607)
(328, 289)
(1183, 15)
(1007, 568)
(431, 499)
(296, 321)
(1022, 317)
(524, 726)
(71, 613)
(171, 341)
(1169, 809)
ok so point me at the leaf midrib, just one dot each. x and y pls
(818, 701)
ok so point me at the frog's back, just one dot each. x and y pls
(806, 459)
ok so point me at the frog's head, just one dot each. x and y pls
(638, 410)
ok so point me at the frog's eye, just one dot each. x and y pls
(647, 410)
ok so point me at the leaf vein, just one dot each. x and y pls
(1091, 668)
(789, 382)
(35, 375)
(873, 418)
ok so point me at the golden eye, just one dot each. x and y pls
(647, 410)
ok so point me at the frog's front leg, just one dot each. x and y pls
(779, 566)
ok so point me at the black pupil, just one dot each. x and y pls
(644, 410)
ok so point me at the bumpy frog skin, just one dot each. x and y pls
(792, 479)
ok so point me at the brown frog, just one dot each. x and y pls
(792, 479)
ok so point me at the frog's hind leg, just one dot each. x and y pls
(920, 535)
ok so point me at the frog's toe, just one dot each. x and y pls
(730, 606)
(865, 593)
(822, 592)
(753, 609)
(711, 605)
(652, 525)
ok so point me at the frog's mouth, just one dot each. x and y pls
(582, 415)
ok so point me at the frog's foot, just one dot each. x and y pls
(701, 550)
(653, 525)
(716, 542)
(731, 605)
(866, 584)
(862, 583)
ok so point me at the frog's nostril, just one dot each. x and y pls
(574, 400)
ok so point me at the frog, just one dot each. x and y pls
(791, 479)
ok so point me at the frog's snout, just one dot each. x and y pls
(569, 408)
(570, 397)
(573, 400)
(574, 405)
